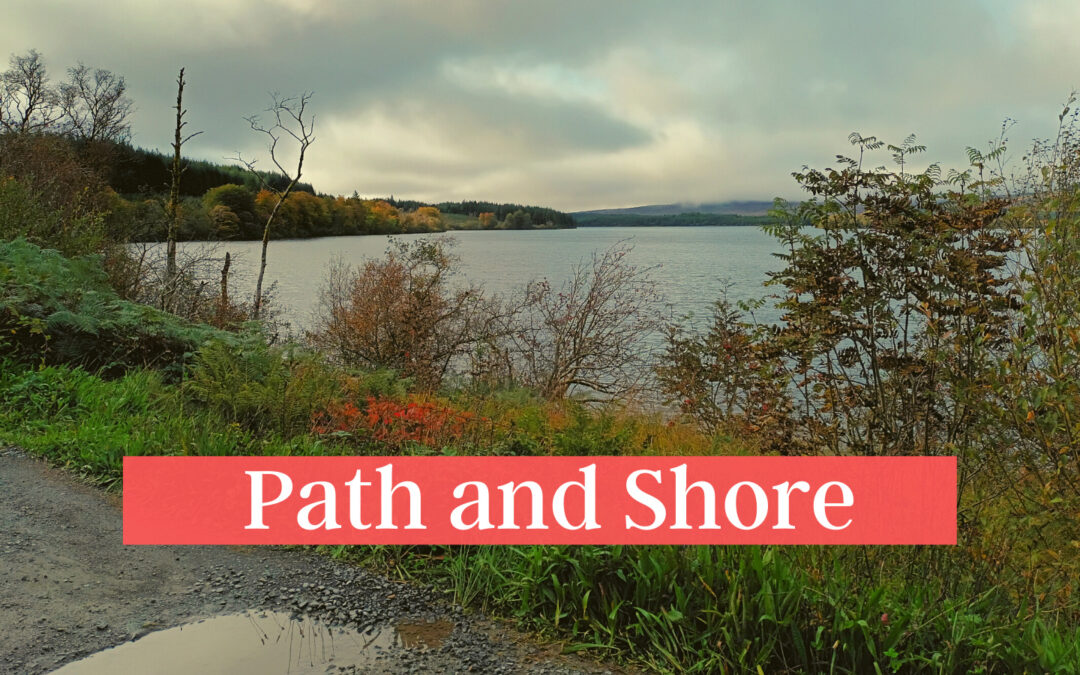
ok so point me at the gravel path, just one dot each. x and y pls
(69, 588)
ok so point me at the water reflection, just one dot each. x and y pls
(260, 642)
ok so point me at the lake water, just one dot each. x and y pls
(694, 264)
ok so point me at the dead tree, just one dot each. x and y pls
(288, 122)
(174, 192)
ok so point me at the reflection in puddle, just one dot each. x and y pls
(259, 642)
(423, 634)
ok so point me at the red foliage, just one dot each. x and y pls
(396, 423)
(338, 416)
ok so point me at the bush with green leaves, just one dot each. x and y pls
(1033, 403)
(894, 297)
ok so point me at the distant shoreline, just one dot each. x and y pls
(671, 220)
(625, 224)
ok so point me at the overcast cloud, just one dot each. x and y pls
(575, 105)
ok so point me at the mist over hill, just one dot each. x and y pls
(738, 208)
(716, 214)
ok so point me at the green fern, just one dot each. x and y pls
(62, 310)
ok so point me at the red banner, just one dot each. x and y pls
(539, 500)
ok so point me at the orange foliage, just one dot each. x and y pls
(382, 209)
(396, 423)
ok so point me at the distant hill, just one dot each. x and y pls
(670, 220)
(738, 208)
(718, 214)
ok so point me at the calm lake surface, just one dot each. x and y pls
(695, 264)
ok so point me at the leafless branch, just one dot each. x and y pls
(291, 119)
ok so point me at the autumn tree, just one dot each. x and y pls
(423, 219)
(301, 215)
(349, 215)
(383, 215)
(291, 122)
(239, 201)
(224, 220)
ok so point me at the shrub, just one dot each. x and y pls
(25, 214)
(894, 299)
(48, 197)
(401, 313)
(1034, 404)
(727, 379)
(587, 337)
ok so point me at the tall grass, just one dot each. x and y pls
(739, 609)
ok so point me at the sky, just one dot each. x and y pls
(576, 104)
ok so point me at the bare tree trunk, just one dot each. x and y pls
(222, 315)
(225, 280)
(173, 207)
(289, 120)
(174, 196)
(257, 308)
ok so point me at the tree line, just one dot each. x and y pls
(235, 211)
(511, 216)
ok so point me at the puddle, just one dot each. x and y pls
(260, 642)
(423, 634)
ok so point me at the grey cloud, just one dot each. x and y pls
(663, 102)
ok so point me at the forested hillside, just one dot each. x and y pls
(227, 201)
